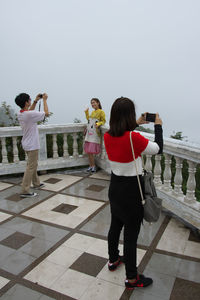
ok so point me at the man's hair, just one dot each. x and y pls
(21, 99)
(122, 117)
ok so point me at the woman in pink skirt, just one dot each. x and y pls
(92, 143)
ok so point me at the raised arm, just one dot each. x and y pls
(87, 113)
(46, 110)
(37, 98)
(156, 147)
(158, 133)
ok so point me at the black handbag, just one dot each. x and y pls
(151, 203)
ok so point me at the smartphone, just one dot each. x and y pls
(150, 117)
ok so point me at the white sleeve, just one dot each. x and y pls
(37, 116)
(151, 148)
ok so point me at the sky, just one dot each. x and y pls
(74, 50)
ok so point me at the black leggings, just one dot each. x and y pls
(131, 232)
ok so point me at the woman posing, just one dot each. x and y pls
(124, 194)
(92, 143)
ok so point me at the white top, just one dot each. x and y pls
(28, 121)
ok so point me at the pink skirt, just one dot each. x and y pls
(92, 148)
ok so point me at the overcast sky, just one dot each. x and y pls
(147, 50)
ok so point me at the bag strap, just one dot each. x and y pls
(143, 201)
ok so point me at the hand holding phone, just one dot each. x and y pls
(145, 118)
(150, 117)
(158, 120)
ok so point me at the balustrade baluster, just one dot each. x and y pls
(4, 150)
(167, 173)
(75, 145)
(15, 149)
(157, 170)
(65, 146)
(103, 150)
(191, 183)
(178, 179)
(55, 146)
(148, 164)
(84, 133)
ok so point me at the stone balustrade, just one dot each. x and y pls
(67, 159)
(176, 153)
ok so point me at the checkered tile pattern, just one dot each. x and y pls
(56, 243)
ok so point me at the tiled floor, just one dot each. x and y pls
(54, 246)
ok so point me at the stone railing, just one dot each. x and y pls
(185, 205)
(67, 159)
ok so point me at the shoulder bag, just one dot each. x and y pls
(152, 204)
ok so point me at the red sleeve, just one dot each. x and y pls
(139, 143)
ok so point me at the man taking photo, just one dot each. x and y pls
(28, 119)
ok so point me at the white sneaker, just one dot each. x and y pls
(40, 186)
(93, 170)
(28, 195)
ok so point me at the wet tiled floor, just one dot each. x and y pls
(54, 246)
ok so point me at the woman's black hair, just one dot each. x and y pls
(21, 99)
(122, 117)
(98, 102)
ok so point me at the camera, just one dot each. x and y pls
(40, 95)
(150, 117)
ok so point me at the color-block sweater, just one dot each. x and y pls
(93, 133)
(120, 154)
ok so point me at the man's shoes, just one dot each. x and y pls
(113, 266)
(28, 195)
(40, 186)
(141, 281)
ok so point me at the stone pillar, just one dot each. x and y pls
(65, 146)
(15, 150)
(178, 179)
(191, 183)
(75, 145)
(167, 173)
(4, 150)
(103, 150)
(148, 164)
(55, 146)
(157, 170)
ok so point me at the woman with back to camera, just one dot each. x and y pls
(124, 194)
(92, 143)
